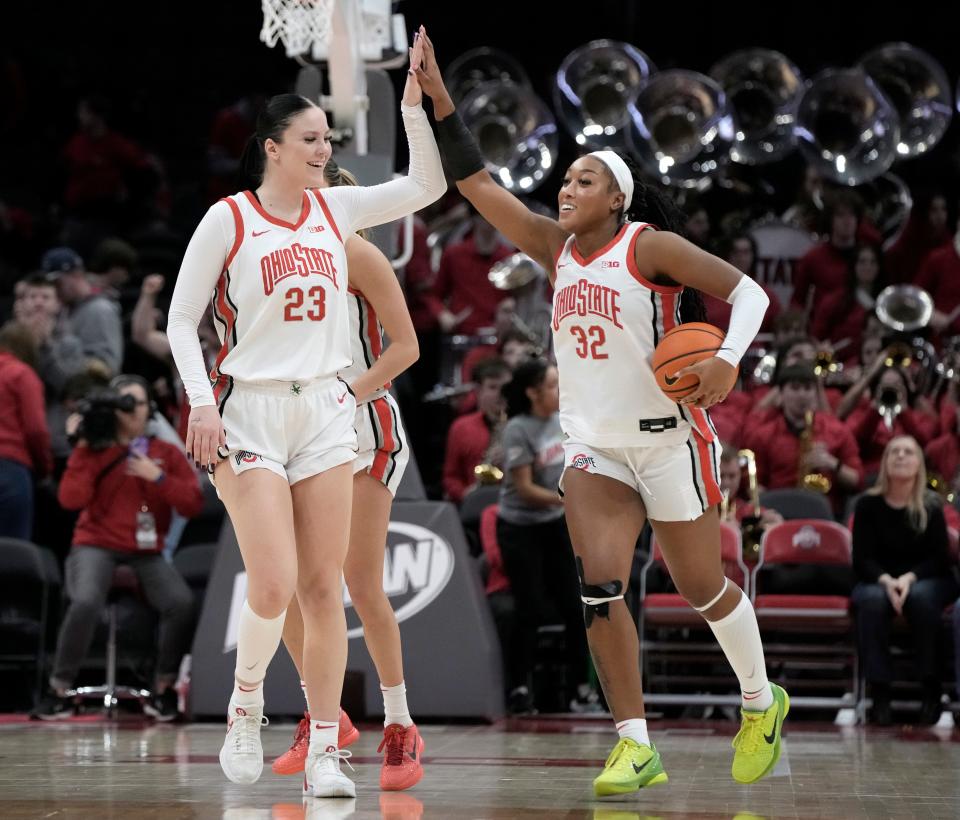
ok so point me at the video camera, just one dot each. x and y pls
(99, 424)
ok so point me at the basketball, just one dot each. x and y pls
(681, 347)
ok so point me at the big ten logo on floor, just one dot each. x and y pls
(416, 568)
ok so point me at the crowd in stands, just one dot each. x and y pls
(835, 400)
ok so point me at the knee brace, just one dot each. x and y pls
(597, 597)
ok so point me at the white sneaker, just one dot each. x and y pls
(322, 776)
(241, 756)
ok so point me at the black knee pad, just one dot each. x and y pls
(597, 597)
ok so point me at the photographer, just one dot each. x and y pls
(127, 486)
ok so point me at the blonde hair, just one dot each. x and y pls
(916, 506)
(335, 175)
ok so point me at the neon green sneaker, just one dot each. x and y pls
(631, 766)
(757, 744)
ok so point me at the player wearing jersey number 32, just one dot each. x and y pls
(632, 454)
(274, 410)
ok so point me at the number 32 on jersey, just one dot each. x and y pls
(590, 341)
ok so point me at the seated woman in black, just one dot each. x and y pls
(901, 561)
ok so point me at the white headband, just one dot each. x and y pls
(621, 173)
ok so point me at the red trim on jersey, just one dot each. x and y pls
(575, 251)
(714, 495)
(237, 230)
(668, 309)
(373, 330)
(380, 460)
(355, 292)
(701, 424)
(304, 212)
(224, 309)
(326, 212)
(635, 271)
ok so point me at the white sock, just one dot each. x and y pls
(635, 729)
(395, 705)
(257, 642)
(306, 700)
(739, 638)
(323, 736)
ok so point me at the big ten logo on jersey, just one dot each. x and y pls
(585, 299)
(417, 566)
(296, 260)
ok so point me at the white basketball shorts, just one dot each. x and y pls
(677, 482)
(293, 429)
(384, 451)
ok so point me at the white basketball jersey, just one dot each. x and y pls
(366, 340)
(607, 320)
(281, 301)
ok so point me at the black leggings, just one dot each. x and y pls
(539, 561)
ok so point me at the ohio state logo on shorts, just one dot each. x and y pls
(581, 461)
(246, 457)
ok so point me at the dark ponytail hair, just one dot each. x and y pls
(649, 204)
(272, 121)
(530, 373)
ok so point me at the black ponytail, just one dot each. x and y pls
(530, 373)
(272, 121)
(650, 204)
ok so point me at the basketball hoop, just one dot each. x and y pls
(305, 28)
(298, 24)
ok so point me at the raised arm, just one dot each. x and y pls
(540, 237)
(362, 207)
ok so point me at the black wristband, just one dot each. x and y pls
(459, 149)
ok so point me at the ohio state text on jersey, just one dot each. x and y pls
(607, 320)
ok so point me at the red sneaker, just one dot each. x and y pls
(348, 733)
(402, 767)
(292, 760)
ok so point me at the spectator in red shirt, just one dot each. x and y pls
(943, 454)
(740, 251)
(467, 297)
(906, 416)
(925, 230)
(824, 268)
(24, 439)
(100, 162)
(940, 276)
(469, 438)
(842, 315)
(127, 493)
(232, 127)
(782, 456)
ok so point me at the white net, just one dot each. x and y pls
(298, 24)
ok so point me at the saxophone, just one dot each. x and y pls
(751, 528)
(815, 482)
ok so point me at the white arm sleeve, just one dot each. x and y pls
(749, 306)
(363, 207)
(201, 267)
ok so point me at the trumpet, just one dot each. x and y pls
(815, 482)
(824, 363)
(888, 403)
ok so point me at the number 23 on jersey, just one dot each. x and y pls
(316, 304)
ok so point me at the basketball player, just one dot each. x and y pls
(376, 300)
(277, 414)
(632, 453)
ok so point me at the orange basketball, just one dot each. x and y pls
(681, 347)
